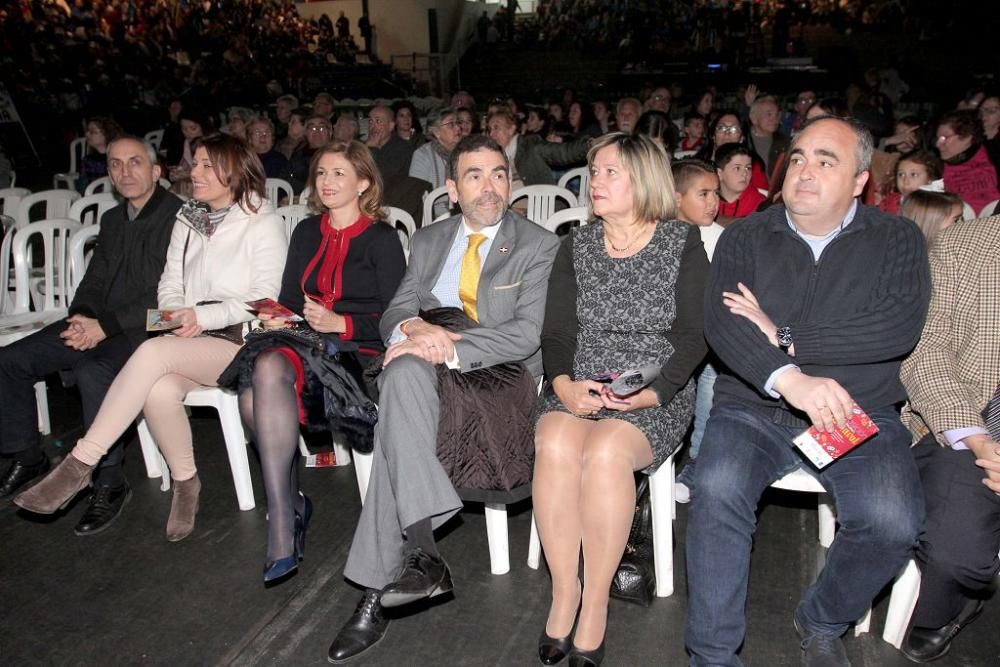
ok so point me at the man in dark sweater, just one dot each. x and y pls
(106, 323)
(811, 306)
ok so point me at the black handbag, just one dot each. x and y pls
(635, 580)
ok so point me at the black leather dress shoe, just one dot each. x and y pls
(18, 475)
(552, 651)
(927, 644)
(423, 576)
(106, 504)
(365, 628)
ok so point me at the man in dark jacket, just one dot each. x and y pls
(106, 323)
(811, 307)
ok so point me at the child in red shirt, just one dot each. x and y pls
(737, 197)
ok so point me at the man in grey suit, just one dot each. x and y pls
(494, 264)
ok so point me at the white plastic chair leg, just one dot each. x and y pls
(827, 520)
(236, 447)
(155, 465)
(363, 471)
(534, 546)
(661, 495)
(341, 451)
(42, 401)
(902, 602)
(864, 625)
(496, 535)
(303, 450)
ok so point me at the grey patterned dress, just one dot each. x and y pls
(624, 308)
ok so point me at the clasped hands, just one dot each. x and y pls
(433, 344)
(83, 333)
(825, 402)
(587, 397)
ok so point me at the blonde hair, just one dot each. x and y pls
(929, 210)
(649, 168)
(361, 159)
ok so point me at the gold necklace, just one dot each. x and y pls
(626, 248)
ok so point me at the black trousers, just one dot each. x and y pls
(25, 362)
(957, 553)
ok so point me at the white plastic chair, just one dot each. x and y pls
(154, 139)
(13, 178)
(88, 210)
(225, 403)
(398, 217)
(431, 198)
(680, 155)
(99, 185)
(79, 257)
(76, 152)
(967, 212)
(661, 501)
(293, 214)
(304, 195)
(988, 210)
(542, 200)
(22, 322)
(10, 199)
(55, 202)
(579, 214)
(278, 188)
(583, 191)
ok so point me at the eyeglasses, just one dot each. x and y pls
(260, 133)
(317, 128)
(728, 129)
(450, 123)
(661, 97)
(806, 100)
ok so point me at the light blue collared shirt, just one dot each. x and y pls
(817, 246)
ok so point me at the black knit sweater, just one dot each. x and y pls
(854, 314)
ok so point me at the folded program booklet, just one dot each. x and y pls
(273, 308)
(159, 320)
(629, 382)
(823, 448)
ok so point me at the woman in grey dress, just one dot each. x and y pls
(625, 292)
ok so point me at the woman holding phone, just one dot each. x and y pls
(343, 267)
(625, 293)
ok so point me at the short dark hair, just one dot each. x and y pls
(964, 123)
(657, 125)
(694, 115)
(471, 144)
(931, 161)
(726, 152)
(685, 170)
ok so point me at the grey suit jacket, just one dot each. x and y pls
(511, 296)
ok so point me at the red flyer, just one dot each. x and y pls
(274, 309)
(822, 448)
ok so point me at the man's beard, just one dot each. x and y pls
(472, 213)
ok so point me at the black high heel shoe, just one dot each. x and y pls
(552, 651)
(581, 658)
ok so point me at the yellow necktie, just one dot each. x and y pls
(468, 281)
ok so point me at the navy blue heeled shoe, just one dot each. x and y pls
(277, 569)
(301, 523)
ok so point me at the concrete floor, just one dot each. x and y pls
(128, 597)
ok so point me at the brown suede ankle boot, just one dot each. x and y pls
(58, 488)
(183, 509)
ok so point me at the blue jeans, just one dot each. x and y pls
(880, 511)
(702, 407)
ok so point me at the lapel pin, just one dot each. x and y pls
(504, 249)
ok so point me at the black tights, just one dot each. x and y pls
(272, 396)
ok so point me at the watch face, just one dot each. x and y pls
(784, 336)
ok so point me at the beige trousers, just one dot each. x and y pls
(154, 382)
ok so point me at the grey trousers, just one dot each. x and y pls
(407, 482)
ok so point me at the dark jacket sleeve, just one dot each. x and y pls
(560, 326)
(736, 340)
(888, 326)
(390, 265)
(562, 154)
(686, 334)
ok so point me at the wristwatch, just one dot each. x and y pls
(784, 336)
